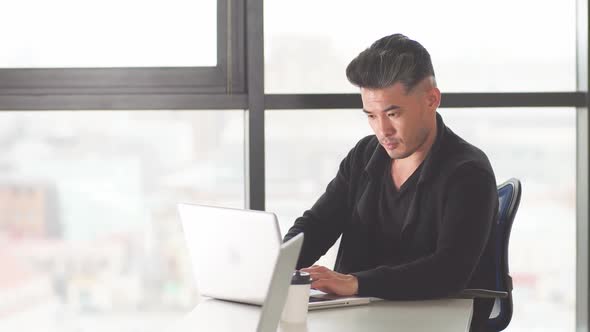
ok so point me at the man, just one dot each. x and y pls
(415, 204)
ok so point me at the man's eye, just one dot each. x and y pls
(392, 115)
(370, 116)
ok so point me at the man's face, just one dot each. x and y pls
(402, 122)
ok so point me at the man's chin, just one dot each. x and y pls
(397, 154)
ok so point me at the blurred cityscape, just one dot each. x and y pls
(89, 232)
(88, 226)
(536, 146)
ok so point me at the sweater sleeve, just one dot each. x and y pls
(469, 210)
(324, 222)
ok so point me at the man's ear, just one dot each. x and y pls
(433, 98)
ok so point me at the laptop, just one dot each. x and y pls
(241, 247)
(212, 314)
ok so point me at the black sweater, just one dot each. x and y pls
(444, 245)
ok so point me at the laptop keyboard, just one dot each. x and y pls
(318, 299)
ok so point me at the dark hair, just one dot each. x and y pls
(389, 60)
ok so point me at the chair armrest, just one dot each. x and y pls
(472, 293)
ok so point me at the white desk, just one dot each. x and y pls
(436, 315)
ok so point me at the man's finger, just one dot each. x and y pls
(323, 274)
(309, 267)
(315, 267)
(318, 275)
(321, 284)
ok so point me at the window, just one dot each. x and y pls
(475, 46)
(132, 55)
(535, 145)
(78, 34)
(105, 236)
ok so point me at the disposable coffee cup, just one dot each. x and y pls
(295, 310)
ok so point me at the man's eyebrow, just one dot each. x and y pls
(390, 108)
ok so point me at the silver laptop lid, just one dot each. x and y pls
(279, 287)
(218, 315)
(233, 252)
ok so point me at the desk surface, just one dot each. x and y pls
(435, 315)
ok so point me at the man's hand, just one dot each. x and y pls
(332, 282)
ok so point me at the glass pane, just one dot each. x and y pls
(88, 223)
(535, 145)
(110, 33)
(332, 133)
(475, 46)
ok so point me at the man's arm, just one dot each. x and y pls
(469, 213)
(324, 222)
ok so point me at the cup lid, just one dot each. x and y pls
(300, 278)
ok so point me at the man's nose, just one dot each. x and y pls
(384, 126)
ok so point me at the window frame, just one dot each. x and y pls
(128, 87)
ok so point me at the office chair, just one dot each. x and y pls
(509, 198)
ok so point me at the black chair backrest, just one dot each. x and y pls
(509, 198)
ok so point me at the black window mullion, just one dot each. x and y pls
(255, 162)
